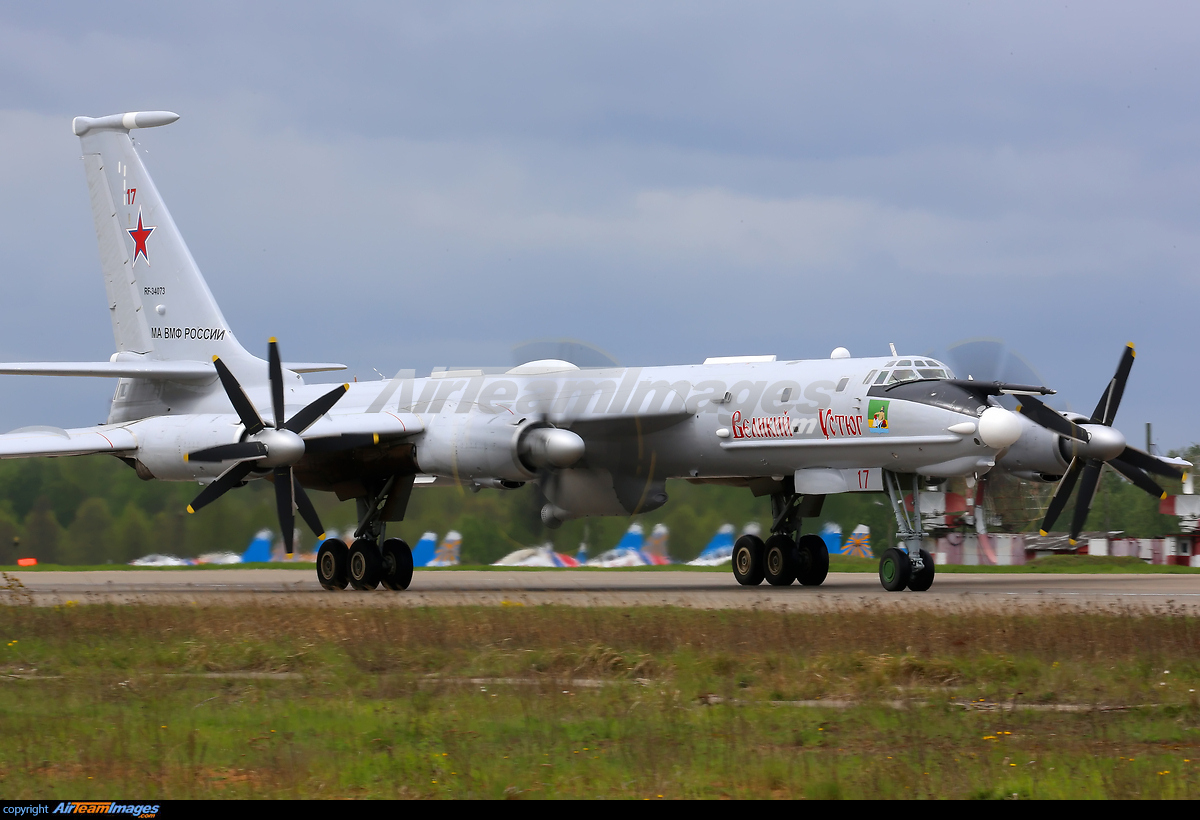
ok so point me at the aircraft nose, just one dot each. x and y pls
(998, 428)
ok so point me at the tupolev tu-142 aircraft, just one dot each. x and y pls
(192, 404)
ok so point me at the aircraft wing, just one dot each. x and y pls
(29, 442)
(384, 425)
(622, 424)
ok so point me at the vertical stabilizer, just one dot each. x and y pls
(160, 305)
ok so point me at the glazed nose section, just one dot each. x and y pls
(998, 428)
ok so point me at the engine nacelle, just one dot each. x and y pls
(473, 447)
(579, 493)
(164, 440)
(1037, 451)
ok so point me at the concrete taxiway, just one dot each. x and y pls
(707, 590)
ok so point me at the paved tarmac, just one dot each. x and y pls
(706, 590)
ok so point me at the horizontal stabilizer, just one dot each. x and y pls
(123, 122)
(312, 367)
(29, 442)
(174, 371)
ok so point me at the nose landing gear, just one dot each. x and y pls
(912, 566)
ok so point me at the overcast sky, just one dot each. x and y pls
(409, 185)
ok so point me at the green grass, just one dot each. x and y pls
(162, 702)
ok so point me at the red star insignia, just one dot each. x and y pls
(140, 235)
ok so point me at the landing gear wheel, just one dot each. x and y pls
(748, 560)
(923, 580)
(779, 560)
(812, 565)
(396, 569)
(366, 565)
(332, 561)
(894, 570)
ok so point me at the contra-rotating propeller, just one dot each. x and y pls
(277, 447)
(1092, 443)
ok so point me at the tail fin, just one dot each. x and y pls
(160, 305)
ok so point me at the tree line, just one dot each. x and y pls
(95, 510)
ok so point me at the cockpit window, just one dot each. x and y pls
(899, 375)
(904, 363)
(892, 363)
(931, 373)
(842, 384)
(882, 377)
(870, 376)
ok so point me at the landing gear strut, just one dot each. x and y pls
(785, 556)
(912, 566)
(366, 564)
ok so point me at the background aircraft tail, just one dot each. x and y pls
(425, 549)
(160, 305)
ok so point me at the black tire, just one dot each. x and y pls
(894, 570)
(332, 560)
(812, 560)
(396, 570)
(779, 560)
(923, 580)
(365, 565)
(748, 560)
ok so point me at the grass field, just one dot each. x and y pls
(514, 701)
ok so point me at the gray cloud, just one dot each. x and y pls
(428, 184)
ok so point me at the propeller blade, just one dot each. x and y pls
(222, 484)
(1039, 413)
(1149, 463)
(275, 374)
(1106, 410)
(1137, 477)
(237, 397)
(333, 444)
(305, 507)
(1061, 494)
(1083, 502)
(240, 451)
(283, 505)
(306, 416)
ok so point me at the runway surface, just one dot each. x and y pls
(706, 590)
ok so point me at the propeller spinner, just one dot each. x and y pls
(1092, 444)
(264, 447)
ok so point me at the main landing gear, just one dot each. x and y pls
(372, 560)
(911, 567)
(786, 556)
